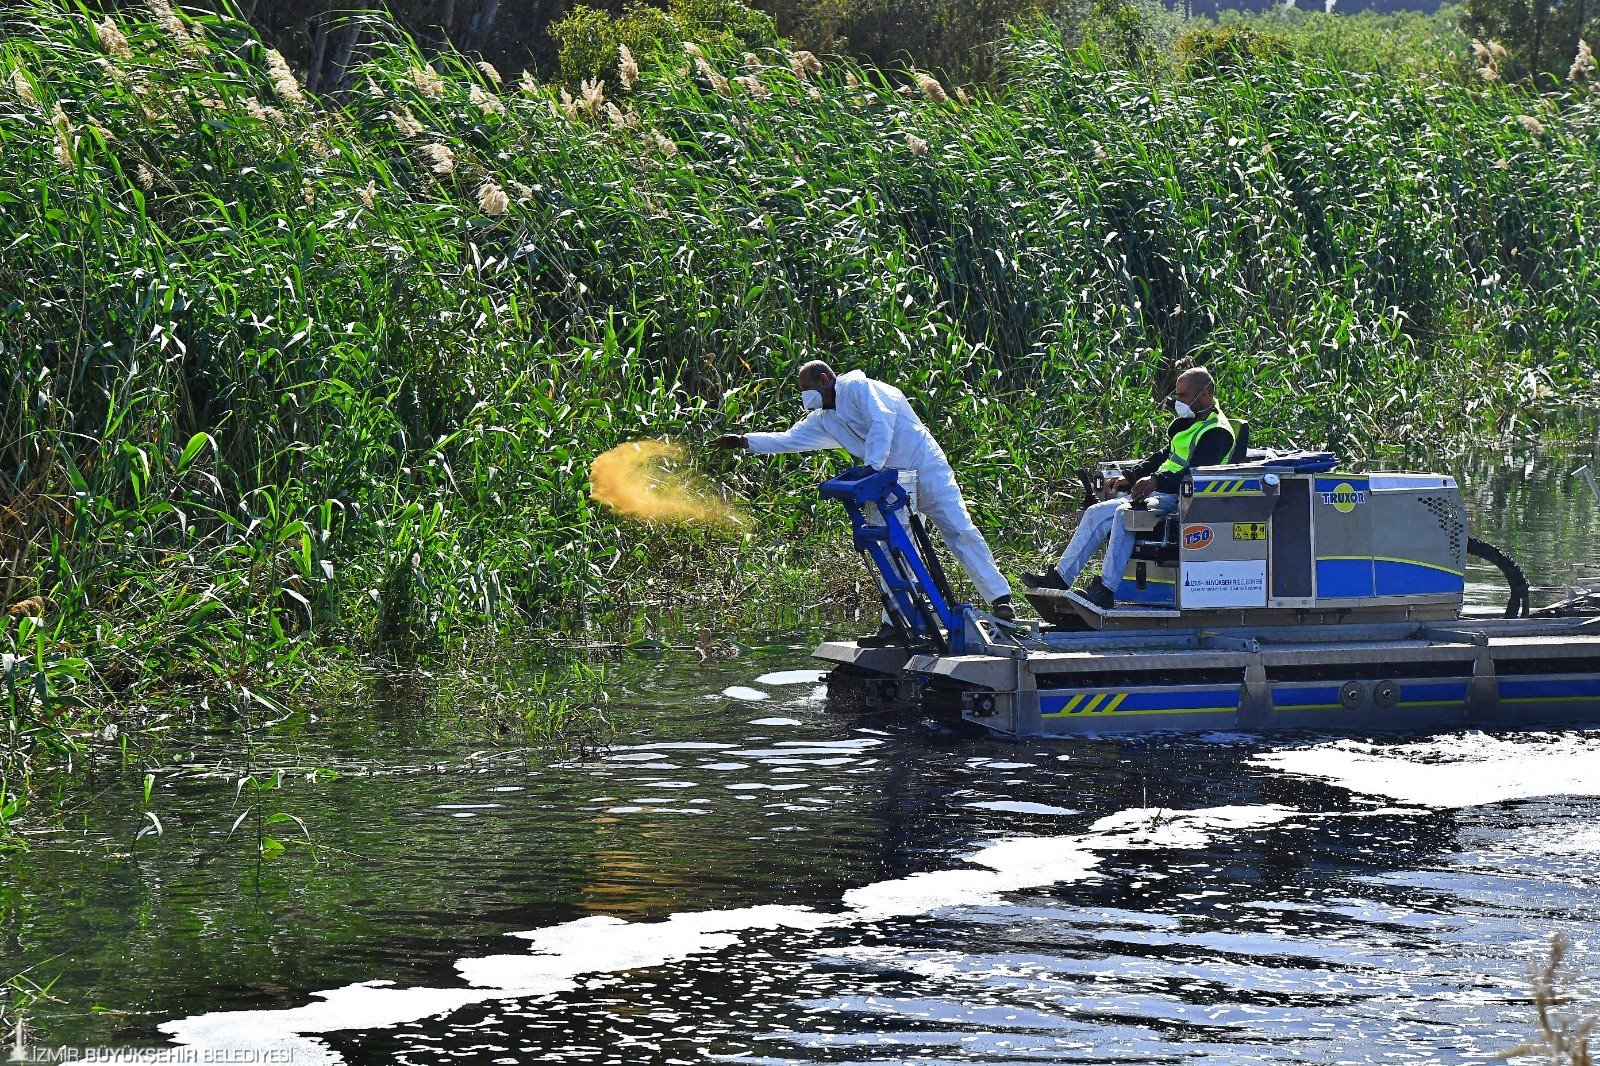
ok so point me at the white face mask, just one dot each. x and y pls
(1183, 409)
(811, 400)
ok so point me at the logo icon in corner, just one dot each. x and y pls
(1196, 537)
(1344, 497)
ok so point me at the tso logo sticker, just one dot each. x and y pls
(1344, 497)
(1196, 537)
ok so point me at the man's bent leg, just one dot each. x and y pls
(1093, 525)
(1120, 550)
(940, 499)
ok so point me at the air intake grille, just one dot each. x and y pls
(1448, 514)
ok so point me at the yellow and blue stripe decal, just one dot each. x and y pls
(1550, 690)
(1091, 704)
(1223, 486)
(1433, 693)
(1306, 698)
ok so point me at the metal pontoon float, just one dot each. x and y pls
(1281, 595)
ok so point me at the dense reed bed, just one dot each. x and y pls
(286, 375)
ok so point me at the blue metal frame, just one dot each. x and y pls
(894, 552)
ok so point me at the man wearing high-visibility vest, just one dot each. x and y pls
(1201, 435)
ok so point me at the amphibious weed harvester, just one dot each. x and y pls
(1283, 594)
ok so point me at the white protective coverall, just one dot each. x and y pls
(873, 422)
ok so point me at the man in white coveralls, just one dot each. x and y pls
(873, 422)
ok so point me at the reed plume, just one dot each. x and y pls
(627, 67)
(492, 199)
(931, 88)
(804, 64)
(489, 71)
(441, 160)
(486, 101)
(23, 87)
(1583, 65)
(284, 83)
(112, 39)
(427, 81)
(405, 123)
(918, 146)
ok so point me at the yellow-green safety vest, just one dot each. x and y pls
(1182, 446)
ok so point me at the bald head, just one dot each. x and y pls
(1196, 388)
(815, 374)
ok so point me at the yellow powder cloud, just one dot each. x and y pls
(638, 479)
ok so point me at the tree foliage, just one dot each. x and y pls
(1538, 40)
(589, 38)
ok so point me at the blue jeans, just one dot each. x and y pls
(1100, 520)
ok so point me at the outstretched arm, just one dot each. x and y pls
(806, 435)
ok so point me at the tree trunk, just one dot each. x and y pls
(319, 47)
(1535, 63)
(483, 22)
(338, 74)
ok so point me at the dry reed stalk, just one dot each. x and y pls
(1562, 1041)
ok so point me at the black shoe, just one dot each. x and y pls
(887, 636)
(1048, 579)
(1097, 593)
(1001, 608)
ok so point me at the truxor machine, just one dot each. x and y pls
(1283, 594)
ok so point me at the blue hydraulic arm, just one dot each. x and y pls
(890, 535)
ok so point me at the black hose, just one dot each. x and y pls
(1517, 606)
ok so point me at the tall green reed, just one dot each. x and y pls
(292, 375)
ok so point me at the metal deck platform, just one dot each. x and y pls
(1488, 672)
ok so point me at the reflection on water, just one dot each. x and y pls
(756, 877)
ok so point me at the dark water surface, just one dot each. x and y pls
(752, 875)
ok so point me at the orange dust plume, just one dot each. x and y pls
(635, 479)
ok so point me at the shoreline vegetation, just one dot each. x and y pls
(295, 380)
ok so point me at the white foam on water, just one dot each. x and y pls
(742, 692)
(1021, 807)
(600, 945)
(775, 721)
(792, 677)
(1462, 770)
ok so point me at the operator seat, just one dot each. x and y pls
(1159, 545)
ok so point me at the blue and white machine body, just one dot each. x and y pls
(1283, 594)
